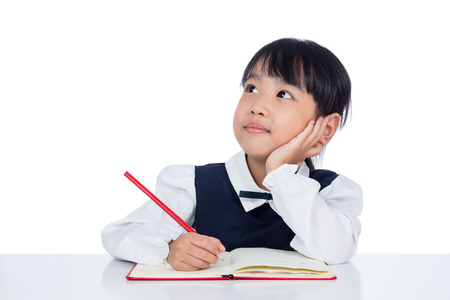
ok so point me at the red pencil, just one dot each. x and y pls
(159, 203)
(162, 205)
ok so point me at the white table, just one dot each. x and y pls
(366, 276)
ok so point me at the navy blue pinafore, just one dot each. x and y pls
(219, 212)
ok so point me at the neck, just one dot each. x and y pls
(257, 169)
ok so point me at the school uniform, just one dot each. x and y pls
(313, 212)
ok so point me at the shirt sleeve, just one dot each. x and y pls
(144, 234)
(325, 223)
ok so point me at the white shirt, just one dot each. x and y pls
(325, 223)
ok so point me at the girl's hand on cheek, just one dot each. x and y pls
(304, 145)
(193, 251)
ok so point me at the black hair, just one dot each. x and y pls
(310, 67)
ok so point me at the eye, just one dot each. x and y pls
(285, 95)
(251, 89)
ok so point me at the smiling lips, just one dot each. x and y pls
(255, 128)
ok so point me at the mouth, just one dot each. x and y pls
(255, 128)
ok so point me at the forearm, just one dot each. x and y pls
(143, 235)
(326, 234)
(325, 223)
(136, 240)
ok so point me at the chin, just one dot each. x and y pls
(257, 150)
(256, 155)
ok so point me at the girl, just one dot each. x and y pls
(296, 96)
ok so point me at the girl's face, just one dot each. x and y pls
(270, 113)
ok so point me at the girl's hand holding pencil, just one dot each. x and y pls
(193, 251)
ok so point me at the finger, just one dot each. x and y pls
(188, 263)
(204, 255)
(205, 242)
(301, 138)
(321, 131)
(209, 244)
(314, 150)
(220, 247)
(310, 127)
(184, 255)
(192, 257)
(318, 132)
(309, 141)
(219, 244)
(186, 266)
(199, 259)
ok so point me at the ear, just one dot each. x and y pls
(334, 121)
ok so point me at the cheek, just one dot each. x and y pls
(237, 120)
(287, 130)
(235, 128)
(240, 112)
(288, 134)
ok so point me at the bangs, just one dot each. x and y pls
(283, 61)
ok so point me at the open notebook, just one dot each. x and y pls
(244, 263)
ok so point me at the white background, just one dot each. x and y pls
(91, 89)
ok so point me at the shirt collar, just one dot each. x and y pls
(242, 180)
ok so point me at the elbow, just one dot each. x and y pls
(339, 258)
(111, 241)
(108, 245)
(330, 251)
(340, 251)
(342, 245)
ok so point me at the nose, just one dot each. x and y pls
(260, 107)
